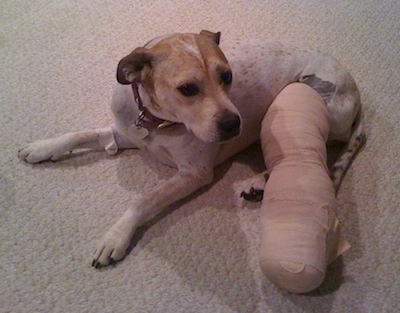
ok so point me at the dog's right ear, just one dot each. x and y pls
(216, 37)
(130, 67)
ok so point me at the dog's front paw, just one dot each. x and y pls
(111, 248)
(42, 150)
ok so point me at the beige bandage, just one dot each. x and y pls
(106, 139)
(300, 234)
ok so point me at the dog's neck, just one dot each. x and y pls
(145, 118)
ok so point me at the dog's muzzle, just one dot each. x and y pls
(229, 125)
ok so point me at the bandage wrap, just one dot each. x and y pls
(107, 140)
(300, 234)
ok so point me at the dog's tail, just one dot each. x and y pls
(356, 141)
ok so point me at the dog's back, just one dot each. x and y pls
(261, 69)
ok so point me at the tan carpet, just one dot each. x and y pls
(58, 61)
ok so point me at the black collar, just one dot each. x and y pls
(146, 119)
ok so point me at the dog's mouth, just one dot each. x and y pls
(219, 138)
(226, 137)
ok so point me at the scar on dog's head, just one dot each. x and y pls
(130, 67)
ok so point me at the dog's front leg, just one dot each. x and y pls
(53, 148)
(112, 247)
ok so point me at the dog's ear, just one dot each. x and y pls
(130, 67)
(214, 36)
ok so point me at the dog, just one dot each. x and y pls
(193, 103)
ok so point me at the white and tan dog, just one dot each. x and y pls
(181, 100)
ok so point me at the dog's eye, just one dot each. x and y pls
(188, 90)
(226, 77)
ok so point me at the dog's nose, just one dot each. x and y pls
(229, 125)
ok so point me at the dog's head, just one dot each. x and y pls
(186, 78)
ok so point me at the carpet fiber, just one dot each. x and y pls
(58, 61)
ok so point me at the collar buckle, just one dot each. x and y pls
(139, 120)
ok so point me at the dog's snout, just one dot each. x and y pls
(229, 125)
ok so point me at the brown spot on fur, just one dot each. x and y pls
(282, 53)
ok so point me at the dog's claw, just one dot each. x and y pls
(97, 265)
(254, 195)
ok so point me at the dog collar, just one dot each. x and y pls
(146, 119)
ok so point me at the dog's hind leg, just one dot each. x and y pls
(342, 98)
(252, 189)
(352, 146)
(53, 148)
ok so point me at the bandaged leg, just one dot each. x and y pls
(300, 231)
(107, 140)
(96, 139)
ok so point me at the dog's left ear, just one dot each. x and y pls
(130, 67)
(214, 36)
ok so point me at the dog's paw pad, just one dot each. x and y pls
(252, 189)
(254, 195)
